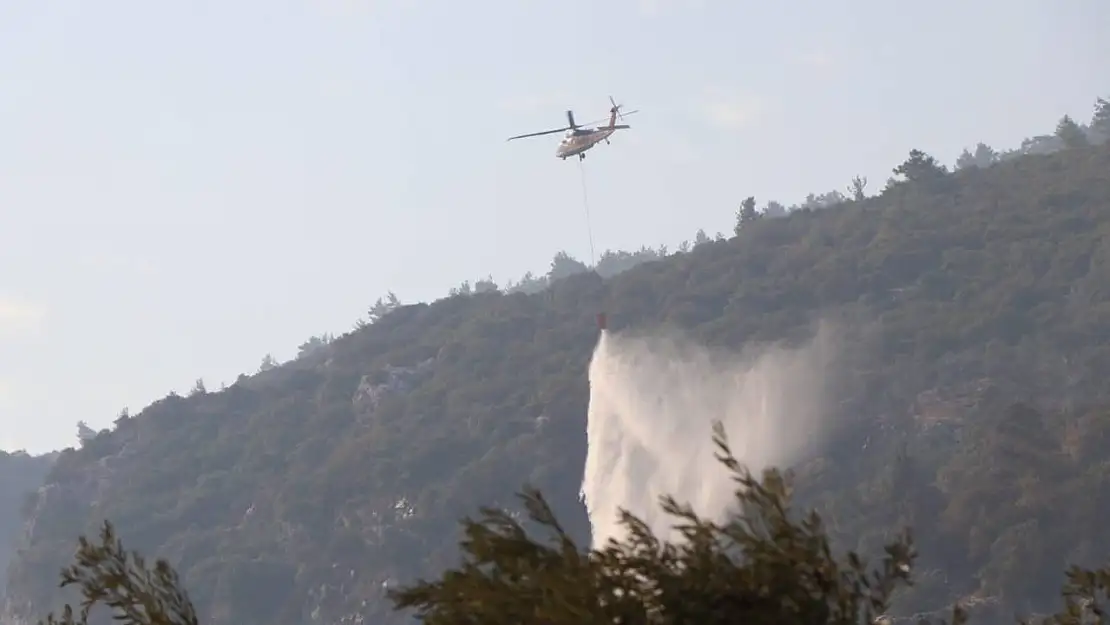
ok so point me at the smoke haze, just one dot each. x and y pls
(653, 400)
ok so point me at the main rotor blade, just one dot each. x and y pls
(537, 134)
(606, 119)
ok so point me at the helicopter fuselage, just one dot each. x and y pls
(579, 140)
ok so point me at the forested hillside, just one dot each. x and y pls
(973, 405)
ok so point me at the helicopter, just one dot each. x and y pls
(579, 138)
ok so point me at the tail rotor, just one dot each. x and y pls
(616, 108)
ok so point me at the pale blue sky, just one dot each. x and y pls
(185, 186)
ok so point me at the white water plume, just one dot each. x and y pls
(653, 400)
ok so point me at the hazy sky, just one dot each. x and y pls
(186, 186)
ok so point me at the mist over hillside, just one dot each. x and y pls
(21, 475)
(970, 401)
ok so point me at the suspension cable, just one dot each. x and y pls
(586, 206)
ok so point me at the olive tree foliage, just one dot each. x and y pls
(760, 566)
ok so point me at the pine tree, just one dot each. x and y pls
(1070, 133)
(921, 168)
(857, 187)
(1100, 121)
(746, 214)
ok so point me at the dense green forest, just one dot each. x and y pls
(973, 404)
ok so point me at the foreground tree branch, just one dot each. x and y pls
(137, 595)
